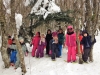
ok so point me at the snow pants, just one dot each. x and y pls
(40, 51)
(13, 56)
(55, 51)
(86, 55)
(60, 50)
(47, 49)
(34, 50)
(71, 56)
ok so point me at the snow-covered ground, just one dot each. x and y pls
(45, 66)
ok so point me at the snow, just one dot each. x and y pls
(18, 18)
(41, 10)
(27, 2)
(44, 66)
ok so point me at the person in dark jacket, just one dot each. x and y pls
(54, 46)
(48, 38)
(60, 40)
(87, 44)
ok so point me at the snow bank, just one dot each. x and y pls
(47, 7)
(18, 18)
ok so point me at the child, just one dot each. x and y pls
(40, 49)
(71, 44)
(24, 48)
(54, 46)
(9, 43)
(13, 48)
(60, 40)
(87, 44)
(35, 43)
(48, 38)
(81, 46)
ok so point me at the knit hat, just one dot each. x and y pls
(70, 27)
(21, 39)
(54, 34)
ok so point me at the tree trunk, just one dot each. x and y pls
(77, 16)
(4, 36)
(12, 19)
(92, 11)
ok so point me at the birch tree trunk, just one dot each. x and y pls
(92, 11)
(12, 19)
(77, 16)
(4, 36)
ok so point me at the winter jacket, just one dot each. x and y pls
(60, 38)
(87, 42)
(70, 39)
(35, 40)
(9, 41)
(51, 43)
(13, 46)
(48, 38)
(24, 48)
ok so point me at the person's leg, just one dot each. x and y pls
(47, 49)
(33, 50)
(53, 55)
(38, 51)
(42, 51)
(69, 54)
(60, 50)
(86, 54)
(73, 53)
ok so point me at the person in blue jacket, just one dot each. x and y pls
(87, 44)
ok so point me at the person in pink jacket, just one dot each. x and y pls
(35, 42)
(71, 44)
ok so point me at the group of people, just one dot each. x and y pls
(12, 51)
(53, 42)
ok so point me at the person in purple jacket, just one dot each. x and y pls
(40, 49)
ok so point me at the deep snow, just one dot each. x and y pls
(45, 66)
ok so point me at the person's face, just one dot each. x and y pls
(85, 34)
(42, 36)
(49, 32)
(60, 31)
(70, 29)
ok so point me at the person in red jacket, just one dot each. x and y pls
(9, 40)
(71, 44)
(35, 42)
(9, 43)
(80, 38)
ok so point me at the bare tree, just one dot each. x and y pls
(4, 36)
(91, 18)
(13, 24)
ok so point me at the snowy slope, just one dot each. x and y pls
(45, 66)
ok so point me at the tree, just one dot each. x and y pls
(4, 36)
(13, 24)
(91, 18)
